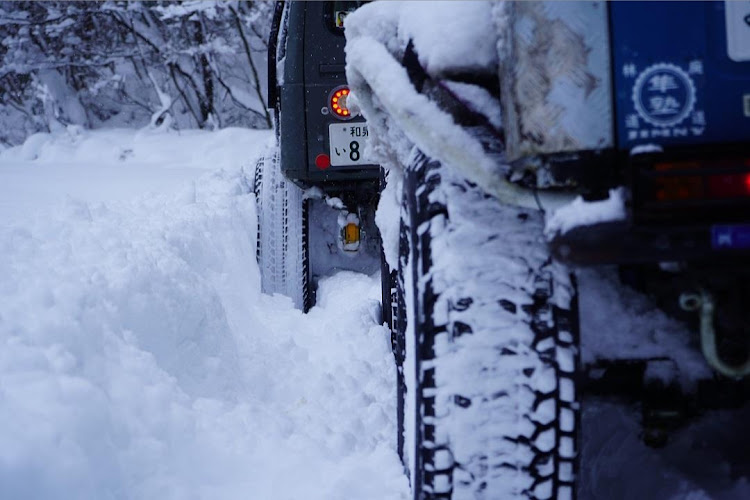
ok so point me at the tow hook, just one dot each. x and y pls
(351, 234)
(703, 303)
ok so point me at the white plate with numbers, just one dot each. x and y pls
(738, 29)
(347, 143)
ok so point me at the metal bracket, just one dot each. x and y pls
(703, 303)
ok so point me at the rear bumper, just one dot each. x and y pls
(705, 228)
(622, 242)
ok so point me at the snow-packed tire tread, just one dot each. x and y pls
(281, 251)
(497, 410)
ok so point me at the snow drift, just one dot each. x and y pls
(138, 358)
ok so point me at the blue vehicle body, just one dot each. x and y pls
(675, 83)
(680, 78)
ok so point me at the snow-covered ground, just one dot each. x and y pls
(139, 360)
(708, 459)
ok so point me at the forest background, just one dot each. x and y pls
(194, 64)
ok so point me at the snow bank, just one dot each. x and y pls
(139, 360)
(113, 165)
(167, 148)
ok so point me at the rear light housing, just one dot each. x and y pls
(337, 103)
(700, 180)
(690, 187)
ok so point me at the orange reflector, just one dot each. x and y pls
(351, 233)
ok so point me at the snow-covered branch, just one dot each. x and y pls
(119, 59)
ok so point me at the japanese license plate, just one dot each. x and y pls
(347, 143)
(738, 29)
(735, 237)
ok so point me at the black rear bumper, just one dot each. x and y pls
(622, 242)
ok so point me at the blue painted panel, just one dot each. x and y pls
(730, 237)
(674, 81)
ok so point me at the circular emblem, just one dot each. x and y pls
(664, 95)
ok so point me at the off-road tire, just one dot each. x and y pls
(282, 249)
(486, 336)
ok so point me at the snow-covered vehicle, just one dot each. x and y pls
(515, 132)
(316, 174)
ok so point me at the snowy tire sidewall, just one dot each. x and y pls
(282, 232)
(486, 341)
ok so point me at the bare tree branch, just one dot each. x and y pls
(251, 63)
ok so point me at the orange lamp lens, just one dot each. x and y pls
(337, 103)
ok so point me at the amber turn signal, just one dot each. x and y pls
(337, 103)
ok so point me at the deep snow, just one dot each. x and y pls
(139, 360)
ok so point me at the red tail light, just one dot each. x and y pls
(729, 185)
(697, 180)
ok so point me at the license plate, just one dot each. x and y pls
(731, 237)
(347, 143)
(738, 29)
